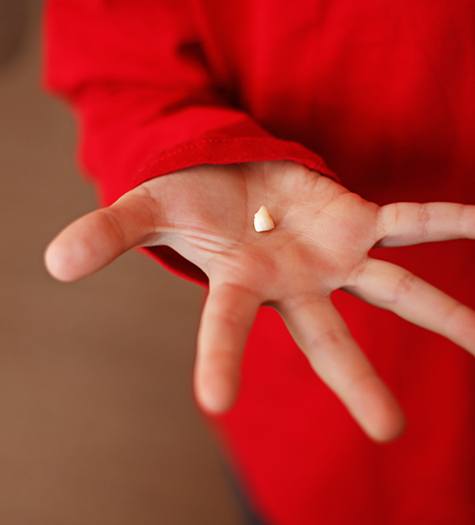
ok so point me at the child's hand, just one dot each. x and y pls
(320, 243)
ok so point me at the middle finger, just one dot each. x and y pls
(332, 352)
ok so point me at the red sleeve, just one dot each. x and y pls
(135, 74)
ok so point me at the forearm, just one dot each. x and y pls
(146, 106)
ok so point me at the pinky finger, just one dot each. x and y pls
(227, 318)
(406, 223)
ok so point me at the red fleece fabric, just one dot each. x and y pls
(384, 92)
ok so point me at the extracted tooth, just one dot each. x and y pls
(263, 221)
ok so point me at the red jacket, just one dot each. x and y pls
(384, 91)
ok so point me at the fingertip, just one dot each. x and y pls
(211, 403)
(389, 430)
(56, 262)
(377, 411)
(68, 258)
(83, 247)
(214, 394)
(387, 421)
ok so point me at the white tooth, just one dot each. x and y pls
(262, 220)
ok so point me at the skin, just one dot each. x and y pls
(320, 244)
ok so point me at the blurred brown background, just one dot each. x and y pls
(97, 420)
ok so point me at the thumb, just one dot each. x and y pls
(96, 239)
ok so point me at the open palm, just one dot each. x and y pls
(321, 241)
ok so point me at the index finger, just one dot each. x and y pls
(227, 318)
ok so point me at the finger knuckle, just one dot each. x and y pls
(403, 286)
(459, 319)
(423, 220)
(330, 338)
(112, 224)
